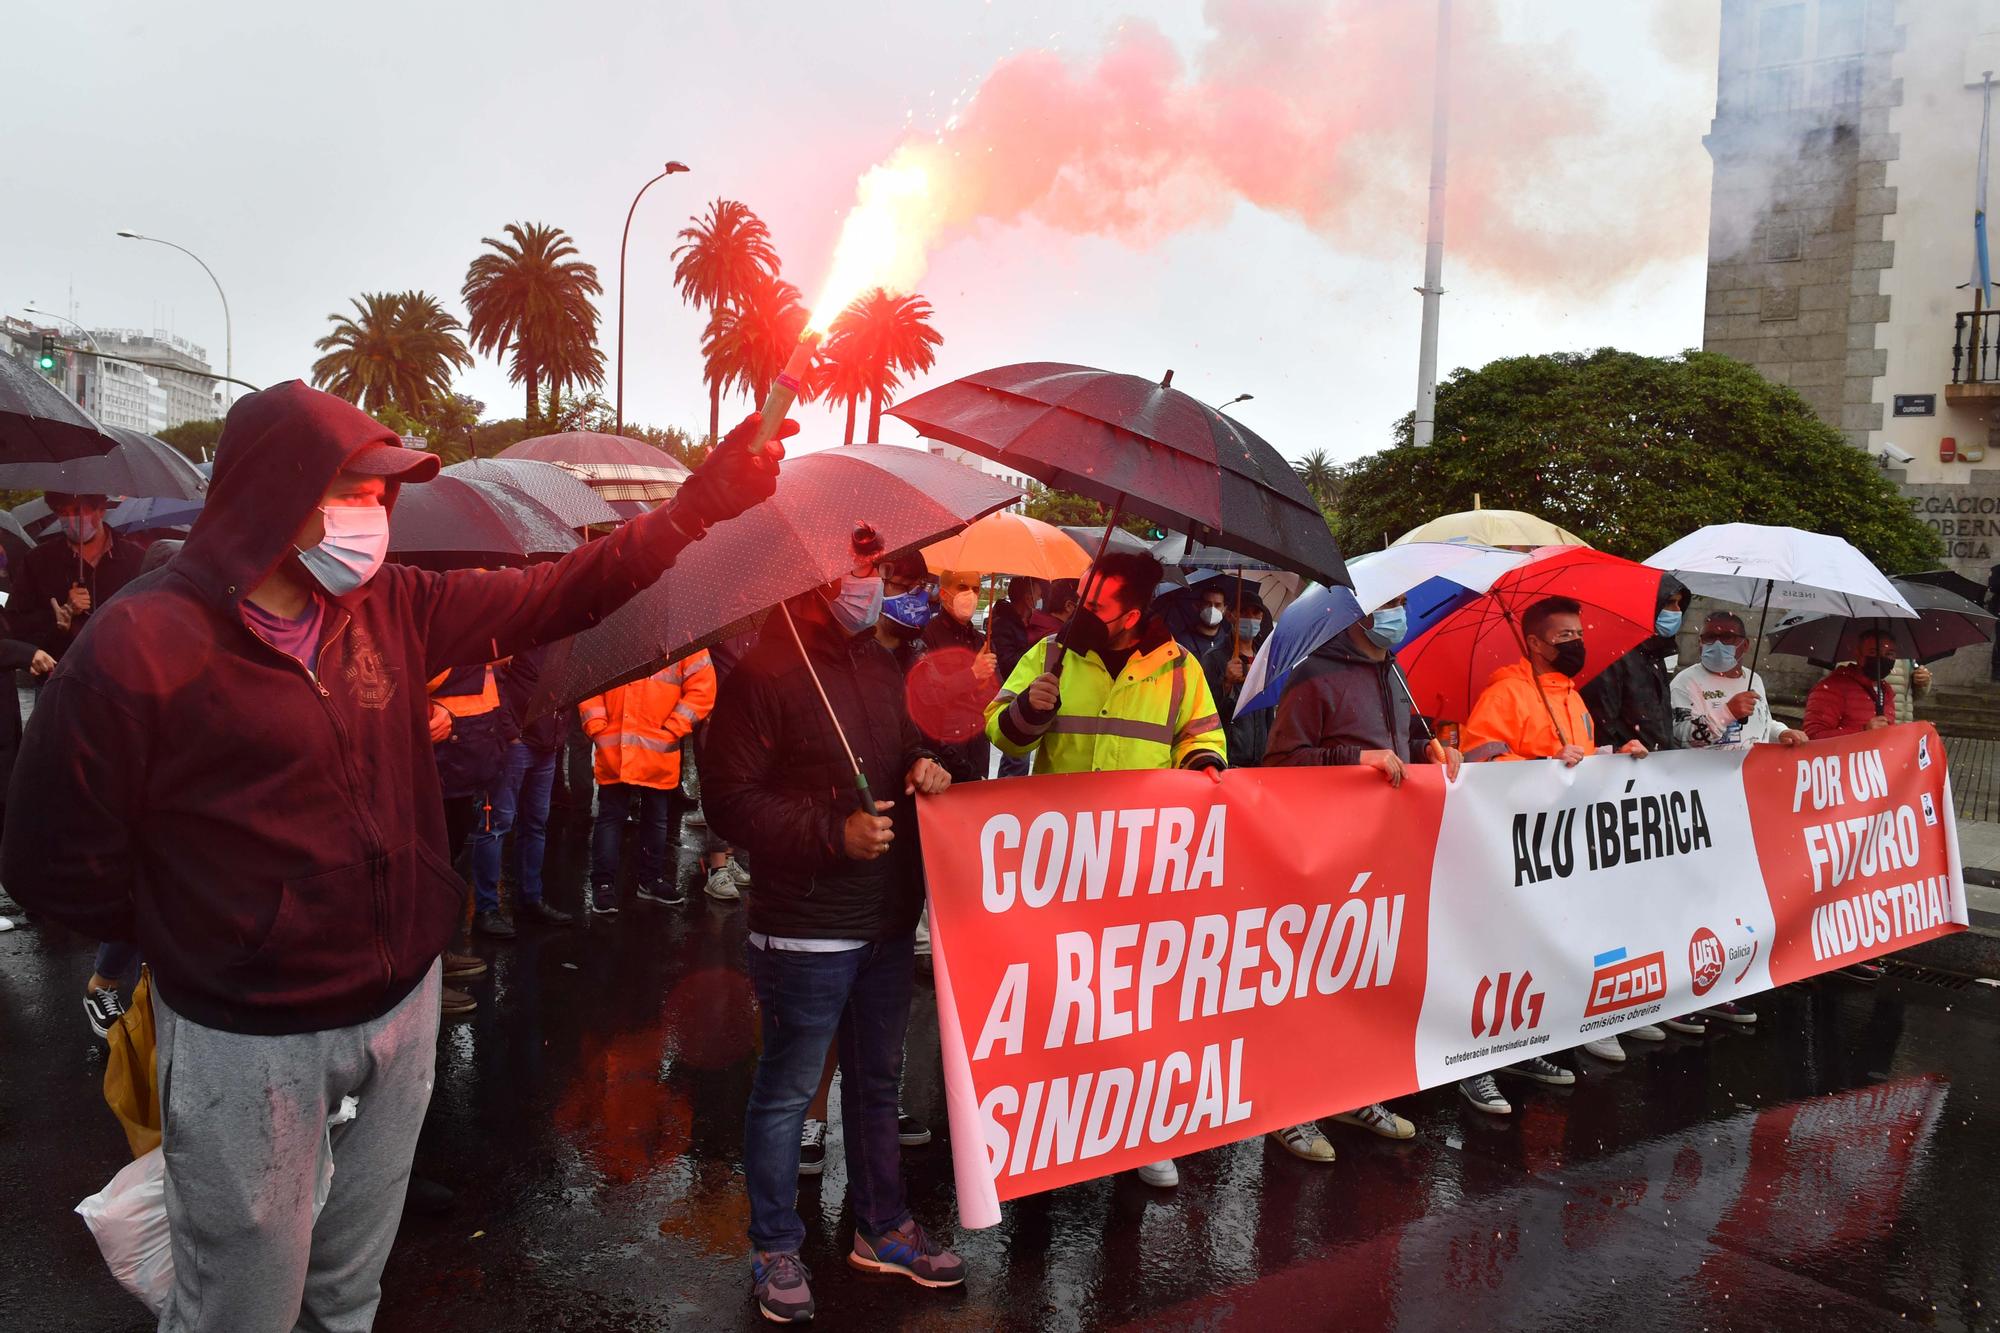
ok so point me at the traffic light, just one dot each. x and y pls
(47, 360)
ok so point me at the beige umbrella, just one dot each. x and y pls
(1493, 527)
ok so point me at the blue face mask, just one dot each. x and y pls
(1247, 630)
(1667, 623)
(1388, 626)
(859, 604)
(1719, 658)
(911, 610)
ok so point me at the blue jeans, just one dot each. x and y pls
(518, 802)
(658, 813)
(118, 960)
(803, 1001)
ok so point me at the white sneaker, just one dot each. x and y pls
(1645, 1032)
(923, 937)
(1164, 1175)
(1305, 1142)
(1484, 1093)
(1379, 1119)
(1606, 1048)
(721, 885)
(737, 873)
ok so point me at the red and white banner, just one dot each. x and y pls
(1132, 966)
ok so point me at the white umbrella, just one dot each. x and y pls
(1380, 577)
(1754, 564)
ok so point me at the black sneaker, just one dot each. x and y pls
(667, 894)
(545, 914)
(603, 901)
(812, 1147)
(911, 1132)
(103, 1008)
(492, 923)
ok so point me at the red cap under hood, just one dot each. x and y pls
(281, 448)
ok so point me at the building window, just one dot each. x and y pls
(1781, 35)
(1839, 28)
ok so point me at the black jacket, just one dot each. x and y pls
(274, 839)
(1632, 699)
(1337, 704)
(15, 655)
(776, 783)
(1013, 636)
(48, 572)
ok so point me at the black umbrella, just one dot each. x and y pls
(139, 465)
(797, 540)
(449, 521)
(1138, 446)
(1951, 581)
(569, 495)
(1177, 550)
(1945, 623)
(38, 422)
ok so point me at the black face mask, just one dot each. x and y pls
(1085, 633)
(1877, 668)
(1569, 657)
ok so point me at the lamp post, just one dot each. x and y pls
(34, 309)
(1239, 398)
(619, 408)
(228, 333)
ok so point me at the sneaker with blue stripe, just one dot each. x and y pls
(909, 1252)
(782, 1286)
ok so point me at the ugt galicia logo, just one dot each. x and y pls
(1705, 960)
(1505, 1005)
(1623, 982)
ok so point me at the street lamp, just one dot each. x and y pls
(34, 309)
(228, 333)
(1239, 398)
(619, 409)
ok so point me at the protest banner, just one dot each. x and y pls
(1136, 965)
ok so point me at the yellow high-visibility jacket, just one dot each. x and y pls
(637, 730)
(1157, 714)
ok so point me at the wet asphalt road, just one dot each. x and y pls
(1833, 1168)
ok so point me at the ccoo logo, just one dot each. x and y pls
(1505, 1005)
(1624, 982)
(1705, 961)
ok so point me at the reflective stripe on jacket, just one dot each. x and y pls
(637, 730)
(1157, 714)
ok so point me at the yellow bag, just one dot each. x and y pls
(131, 1074)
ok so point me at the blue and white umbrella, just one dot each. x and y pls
(1433, 578)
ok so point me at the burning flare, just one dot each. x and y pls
(886, 238)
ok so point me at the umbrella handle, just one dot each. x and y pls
(862, 795)
(1084, 590)
(1535, 675)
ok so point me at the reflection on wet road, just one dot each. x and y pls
(1832, 1168)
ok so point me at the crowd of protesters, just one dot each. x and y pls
(298, 673)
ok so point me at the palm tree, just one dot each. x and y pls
(839, 374)
(748, 341)
(876, 342)
(1321, 475)
(722, 256)
(398, 348)
(530, 299)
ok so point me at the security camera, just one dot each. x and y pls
(1891, 456)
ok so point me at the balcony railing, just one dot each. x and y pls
(1975, 348)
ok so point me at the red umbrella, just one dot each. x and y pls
(1449, 664)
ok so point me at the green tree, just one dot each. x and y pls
(749, 340)
(720, 259)
(1066, 509)
(196, 439)
(872, 345)
(530, 302)
(398, 348)
(1630, 453)
(1321, 475)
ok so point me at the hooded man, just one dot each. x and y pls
(233, 767)
(60, 583)
(1632, 699)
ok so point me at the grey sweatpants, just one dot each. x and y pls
(244, 1135)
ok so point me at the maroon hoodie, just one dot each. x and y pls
(274, 839)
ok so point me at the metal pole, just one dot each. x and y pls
(1427, 352)
(618, 409)
(228, 330)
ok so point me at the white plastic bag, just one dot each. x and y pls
(129, 1218)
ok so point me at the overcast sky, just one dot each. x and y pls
(310, 153)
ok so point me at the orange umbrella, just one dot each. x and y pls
(1008, 543)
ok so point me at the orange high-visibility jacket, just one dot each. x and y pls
(1508, 711)
(637, 730)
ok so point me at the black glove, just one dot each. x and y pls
(732, 479)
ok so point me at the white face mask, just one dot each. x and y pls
(964, 603)
(355, 544)
(1211, 615)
